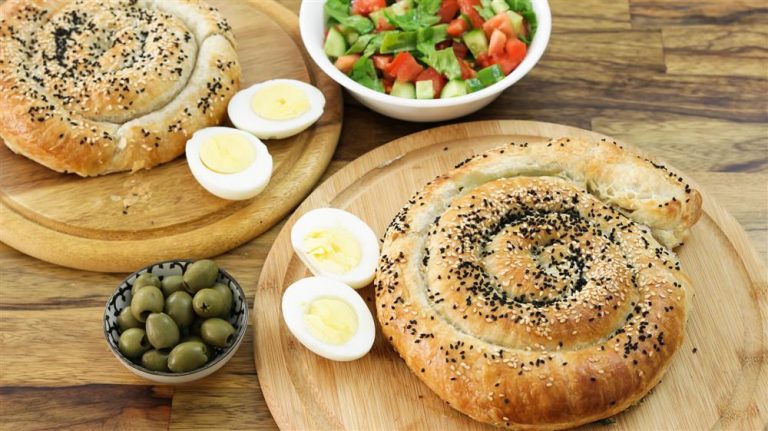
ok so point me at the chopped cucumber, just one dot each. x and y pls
(476, 41)
(360, 44)
(425, 90)
(499, 6)
(335, 45)
(345, 30)
(352, 37)
(396, 41)
(474, 84)
(454, 88)
(490, 75)
(403, 89)
(525, 9)
(516, 20)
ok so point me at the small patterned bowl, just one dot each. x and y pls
(122, 298)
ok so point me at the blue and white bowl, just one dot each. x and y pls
(122, 298)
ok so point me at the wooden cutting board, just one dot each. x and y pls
(717, 380)
(120, 222)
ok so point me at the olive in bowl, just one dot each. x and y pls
(152, 326)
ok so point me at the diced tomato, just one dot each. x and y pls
(388, 83)
(505, 63)
(516, 51)
(365, 7)
(381, 61)
(468, 8)
(438, 80)
(483, 60)
(497, 44)
(448, 9)
(404, 67)
(466, 70)
(500, 22)
(384, 25)
(460, 49)
(457, 27)
(345, 62)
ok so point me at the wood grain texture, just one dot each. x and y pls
(87, 407)
(729, 50)
(724, 150)
(720, 385)
(127, 220)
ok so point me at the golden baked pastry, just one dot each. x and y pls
(528, 287)
(94, 87)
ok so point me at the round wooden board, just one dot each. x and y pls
(120, 222)
(714, 382)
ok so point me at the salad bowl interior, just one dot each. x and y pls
(313, 19)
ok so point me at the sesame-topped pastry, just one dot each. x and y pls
(534, 286)
(93, 87)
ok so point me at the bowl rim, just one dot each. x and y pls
(167, 374)
(312, 9)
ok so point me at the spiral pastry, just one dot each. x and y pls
(528, 287)
(94, 87)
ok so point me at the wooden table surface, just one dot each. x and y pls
(686, 80)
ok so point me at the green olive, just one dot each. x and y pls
(125, 320)
(188, 356)
(201, 275)
(133, 342)
(226, 293)
(172, 283)
(179, 307)
(217, 332)
(146, 301)
(145, 279)
(208, 303)
(155, 360)
(162, 331)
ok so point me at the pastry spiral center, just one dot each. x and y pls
(534, 256)
(112, 62)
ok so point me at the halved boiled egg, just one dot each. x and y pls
(336, 244)
(229, 163)
(329, 318)
(276, 109)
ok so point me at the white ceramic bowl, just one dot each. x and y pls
(312, 24)
(122, 298)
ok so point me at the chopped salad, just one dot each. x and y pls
(426, 49)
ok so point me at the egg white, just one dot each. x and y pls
(242, 116)
(323, 218)
(238, 186)
(300, 294)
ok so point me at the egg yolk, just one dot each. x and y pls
(334, 250)
(330, 320)
(280, 101)
(227, 153)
